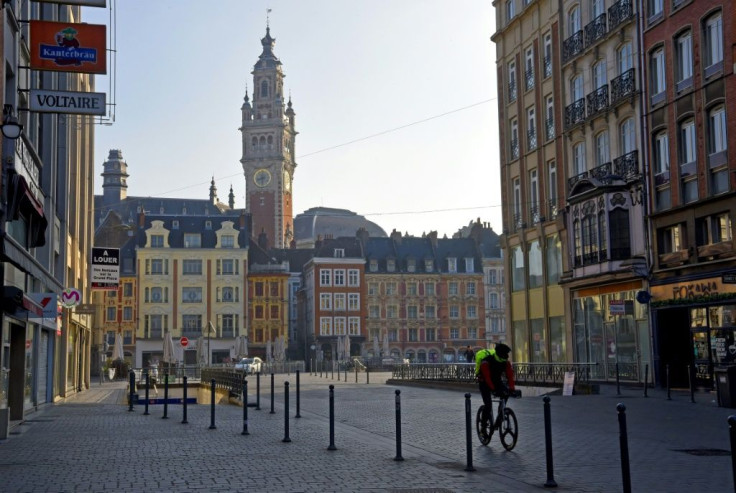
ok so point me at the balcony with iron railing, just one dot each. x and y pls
(518, 223)
(627, 166)
(514, 148)
(549, 127)
(572, 46)
(620, 12)
(575, 113)
(531, 139)
(529, 78)
(597, 101)
(623, 86)
(512, 91)
(595, 30)
(547, 66)
(535, 214)
(552, 209)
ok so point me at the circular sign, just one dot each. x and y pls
(183, 341)
(70, 297)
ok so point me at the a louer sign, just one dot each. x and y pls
(105, 268)
(81, 103)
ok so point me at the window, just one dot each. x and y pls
(534, 196)
(669, 240)
(514, 139)
(430, 335)
(325, 301)
(470, 288)
(412, 312)
(391, 289)
(392, 311)
(259, 312)
(469, 264)
(411, 288)
(684, 53)
(157, 241)
(661, 153)
(659, 76)
(259, 288)
(713, 229)
(454, 311)
(227, 267)
(274, 288)
(550, 118)
(574, 23)
(372, 289)
(353, 302)
(191, 323)
(599, 75)
(264, 88)
(373, 311)
(578, 158)
(717, 130)
(353, 277)
(493, 300)
(552, 181)
(597, 8)
(536, 278)
(191, 267)
(454, 333)
(340, 326)
(687, 142)
(451, 264)
(628, 136)
(429, 265)
(512, 81)
(373, 266)
(554, 259)
(655, 8)
(620, 234)
(430, 311)
(429, 288)
(159, 295)
(390, 265)
(325, 277)
(624, 58)
(192, 240)
(713, 42)
(325, 326)
(529, 68)
(547, 54)
(531, 129)
(191, 295)
(517, 268)
(601, 149)
(128, 289)
(339, 279)
(354, 326)
(228, 294)
(339, 253)
(471, 311)
(576, 88)
(411, 265)
(452, 288)
(339, 301)
(157, 266)
(227, 241)
(510, 9)
(111, 314)
(517, 201)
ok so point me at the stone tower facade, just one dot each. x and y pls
(268, 150)
(114, 178)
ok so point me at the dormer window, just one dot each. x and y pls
(469, 264)
(339, 253)
(208, 225)
(175, 224)
(391, 265)
(374, 266)
(192, 240)
(428, 266)
(452, 264)
(411, 265)
(157, 241)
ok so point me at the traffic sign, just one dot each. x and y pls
(183, 341)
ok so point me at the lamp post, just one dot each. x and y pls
(210, 327)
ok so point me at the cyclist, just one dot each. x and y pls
(489, 366)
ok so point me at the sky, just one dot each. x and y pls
(395, 103)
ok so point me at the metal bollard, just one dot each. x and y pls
(732, 433)
(166, 396)
(398, 426)
(468, 435)
(367, 377)
(550, 483)
(297, 395)
(212, 405)
(184, 401)
(258, 391)
(245, 407)
(338, 374)
(146, 413)
(667, 372)
(131, 380)
(332, 419)
(272, 411)
(346, 374)
(646, 379)
(332, 367)
(690, 380)
(618, 383)
(624, 444)
(356, 374)
(286, 413)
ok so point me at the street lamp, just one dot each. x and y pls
(10, 127)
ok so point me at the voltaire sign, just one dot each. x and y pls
(81, 103)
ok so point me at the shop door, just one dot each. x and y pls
(673, 345)
(703, 371)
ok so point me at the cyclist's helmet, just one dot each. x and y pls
(502, 350)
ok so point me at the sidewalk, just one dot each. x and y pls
(92, 443)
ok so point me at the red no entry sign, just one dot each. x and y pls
(183, 341)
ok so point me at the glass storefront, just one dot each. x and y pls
(712, 331)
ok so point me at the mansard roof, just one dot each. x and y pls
(206, 226)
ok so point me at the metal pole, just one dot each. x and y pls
(131, 380)
(624, 444)
(332, 419)
(398, 426)
(667, 368)
(550, 483)
(297, 395)
(146, 413)
(272, 411)
(367, 377)
(245, 407)
(732, 433)
(468, 435)
(184, 401)
(356, 374)
(258, 391)
(286, 413)
(212, 404)
(618, 383)
(646, 379)
(692, 387)
(166, 396)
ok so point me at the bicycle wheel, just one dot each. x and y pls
(484, 434)
(509, 429)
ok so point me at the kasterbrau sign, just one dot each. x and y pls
(75, 103)
(105, 268)
(68, 47)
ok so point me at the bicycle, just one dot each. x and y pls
(505, 423)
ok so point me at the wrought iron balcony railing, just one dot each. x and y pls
(597, 101)
(518, 223)
(552, 209)
(549, 126)
(572, 46)
(574, 179)
(601, 173)
(529, 78)
(535, 214)
(512, 91)
(627, 166)
(531, 139)
(595, 30)
(547, 66)
(575, 113)
(620, 12)
(514, 149)
(623, 86)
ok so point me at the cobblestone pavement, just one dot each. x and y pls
(91, 442)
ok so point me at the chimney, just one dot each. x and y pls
(263, 239)
(141, 219)
(396, 236)
(432, 235)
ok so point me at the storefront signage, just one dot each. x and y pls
(75, 103)
(50, 307)
(69, 47)
(70, 297)
(729, 278)
(88, 3)
(616, 307)
(105, 268)
(694, 290)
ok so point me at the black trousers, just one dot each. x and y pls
(485, 393)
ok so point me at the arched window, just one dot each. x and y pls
(576, 88)
(578, 158)
(573, 21)
(599, 74)
(717, 130)
(262, 143)
(602, 232)
(661, 153)
(264, 89)
(601, 148)
(270, 143)
(254, 143)
(628, 136)
(624, 58)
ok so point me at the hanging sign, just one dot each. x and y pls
(105, 268)
(68, 47)
(70, 297)
(73, 103)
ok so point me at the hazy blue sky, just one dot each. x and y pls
(395, 103)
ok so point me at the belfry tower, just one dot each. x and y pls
(268, 150)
